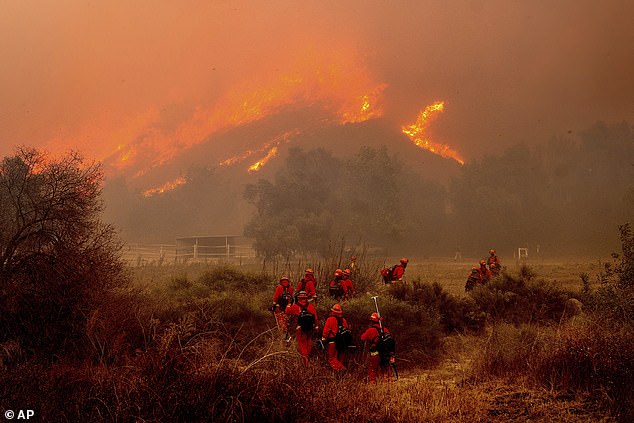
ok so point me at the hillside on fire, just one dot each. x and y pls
(370, 185)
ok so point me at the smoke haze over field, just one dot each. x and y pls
(97, 76)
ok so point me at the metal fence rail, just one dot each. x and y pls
(143, 254)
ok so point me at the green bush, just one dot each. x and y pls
(521, 299)
(456, 314)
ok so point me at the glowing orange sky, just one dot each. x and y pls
(104, 76)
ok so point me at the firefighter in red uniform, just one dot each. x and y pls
(347, 285)
(308, 284)
(485, 273)
(494, 263)
(474, 279)
(399, 270)
(335, 288)
(282, 297)
(307, 324)
(335, 324)
(371, 335)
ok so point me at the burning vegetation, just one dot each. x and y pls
(417, 132)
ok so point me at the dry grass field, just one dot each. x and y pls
(197, 342)
(458, 385)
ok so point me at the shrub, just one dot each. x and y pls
(510, 351)
(593, 357)
(521, 299)
(456, 314)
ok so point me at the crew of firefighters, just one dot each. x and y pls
(482, 274)
(336, 337)
(297, 305)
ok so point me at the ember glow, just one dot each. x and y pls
(258, 165)
(417, 132)
(168, 186)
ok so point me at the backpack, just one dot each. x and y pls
(300, 287)
(343, 337)
(285, 299)
(336, 291)
(387, 273)
(306, 320)
(386, 347)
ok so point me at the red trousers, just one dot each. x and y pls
(335, 358)
(282, 320)
(374, 366)
(304, 343)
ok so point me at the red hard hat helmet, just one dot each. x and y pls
(309, 271)
(491, 251)
(284, 278)
(404, 260)
(336, 309)
(338, 272)
(474, 269)
(347, 272)
(374, 317)
(302, 295)
(483, 262)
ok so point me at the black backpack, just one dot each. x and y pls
(386, 347)
(306, 320)
(343, 337)
(336, 291)
(387, 273)
(285, 299)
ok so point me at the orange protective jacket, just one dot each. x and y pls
(279, 291)
(399, 271)
(371, 335)
(296, 308)
(307, 284)
(331, 327)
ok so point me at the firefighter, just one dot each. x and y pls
(494, 263)
(474, 279)
(308, 284)
(485, 273)
(335, 288)
(336, 336)
(398, 271)
(375, 360)
(307, 324)
(282, 297)
(347, 285)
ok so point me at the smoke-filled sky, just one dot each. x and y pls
(99, 75)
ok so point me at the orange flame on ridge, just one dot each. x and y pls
(258, 165)
(168, 186)
(417, 133)
(281, 139)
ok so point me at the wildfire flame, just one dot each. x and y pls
(417, 133)
(168, 186)
(337, 83)
(258, 165)
(281, 139)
